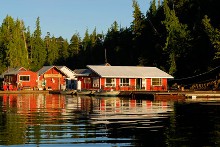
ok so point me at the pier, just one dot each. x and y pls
(153, 95)
(25, 92)
(172, 94)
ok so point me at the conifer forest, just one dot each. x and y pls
(181, 37)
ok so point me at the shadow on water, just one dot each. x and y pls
(65, 120)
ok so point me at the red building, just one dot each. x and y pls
(19, 78)
(121, 78)
(51, 78)
(83, 78)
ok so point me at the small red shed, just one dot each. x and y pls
(51, 78)
(19, 78)
(83, 78)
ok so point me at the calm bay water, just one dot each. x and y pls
(64, 120)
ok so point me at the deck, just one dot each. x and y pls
(144, 94)
(24, 92)
(172, 94)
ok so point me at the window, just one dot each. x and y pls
(110, 82)
(143, 83)
(95, 82)
(124, 82)
(87, 80)
(156, 82)
(24, 78)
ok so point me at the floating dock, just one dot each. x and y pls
(25, 92)
(179, 95)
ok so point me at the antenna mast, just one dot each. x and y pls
(105, 57)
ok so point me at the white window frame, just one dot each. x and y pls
(87, 80)
(156, 83)
(95, 82)
(123, 82)
(112, 84)
(23, 79)
(143, 85)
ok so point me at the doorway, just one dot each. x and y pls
(138, 83)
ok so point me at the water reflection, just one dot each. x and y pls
(60, 120)
(195, 124)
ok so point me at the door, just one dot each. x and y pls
(78, 85)
(138, 83)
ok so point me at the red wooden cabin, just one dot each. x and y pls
(83, 78)
(123, 78)
(51, 78)
(19, 78)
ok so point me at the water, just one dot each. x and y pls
(59, 120)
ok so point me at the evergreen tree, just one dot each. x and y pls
(86, 41)
(93, 38)
(52, 49)
(214, 36)
(6, 39)
(91, 51)
(29, 42)
(75, 44)
(39, 53)
(115, 27)
(19, 43)
(14, 51)
(138, 26)
(74, 50)
(25, 58)
(138, 22)
(178, 38)
(63, 50)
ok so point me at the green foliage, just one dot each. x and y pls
(75, 44)
(63, 50)
(175, 36)
(178, 37)
(13, 44)
(214, 36)
(52, 50)
(38, 50)
(138, 22)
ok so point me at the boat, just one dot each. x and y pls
(68, 92)
(84, 92)
(106, 93)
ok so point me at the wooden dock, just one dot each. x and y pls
(203, 94)
(25, 92)
(172, 94)
(155, 95)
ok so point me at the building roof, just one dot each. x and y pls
(128, 72)
(44, 69)
(68, 72)
(82, 72)
(13, 71)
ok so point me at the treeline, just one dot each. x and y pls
(181, 37)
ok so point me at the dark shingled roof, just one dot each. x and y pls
(44, 69)
(82, 72)
(13, 71)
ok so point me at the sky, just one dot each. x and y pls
(67, 17)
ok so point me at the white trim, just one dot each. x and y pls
(97, 80)
(146, 83)
(129, 83)
(24, 76)
(100, 85)
(133, 77)
(111, 82)
(157, 78)
(145, 86)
